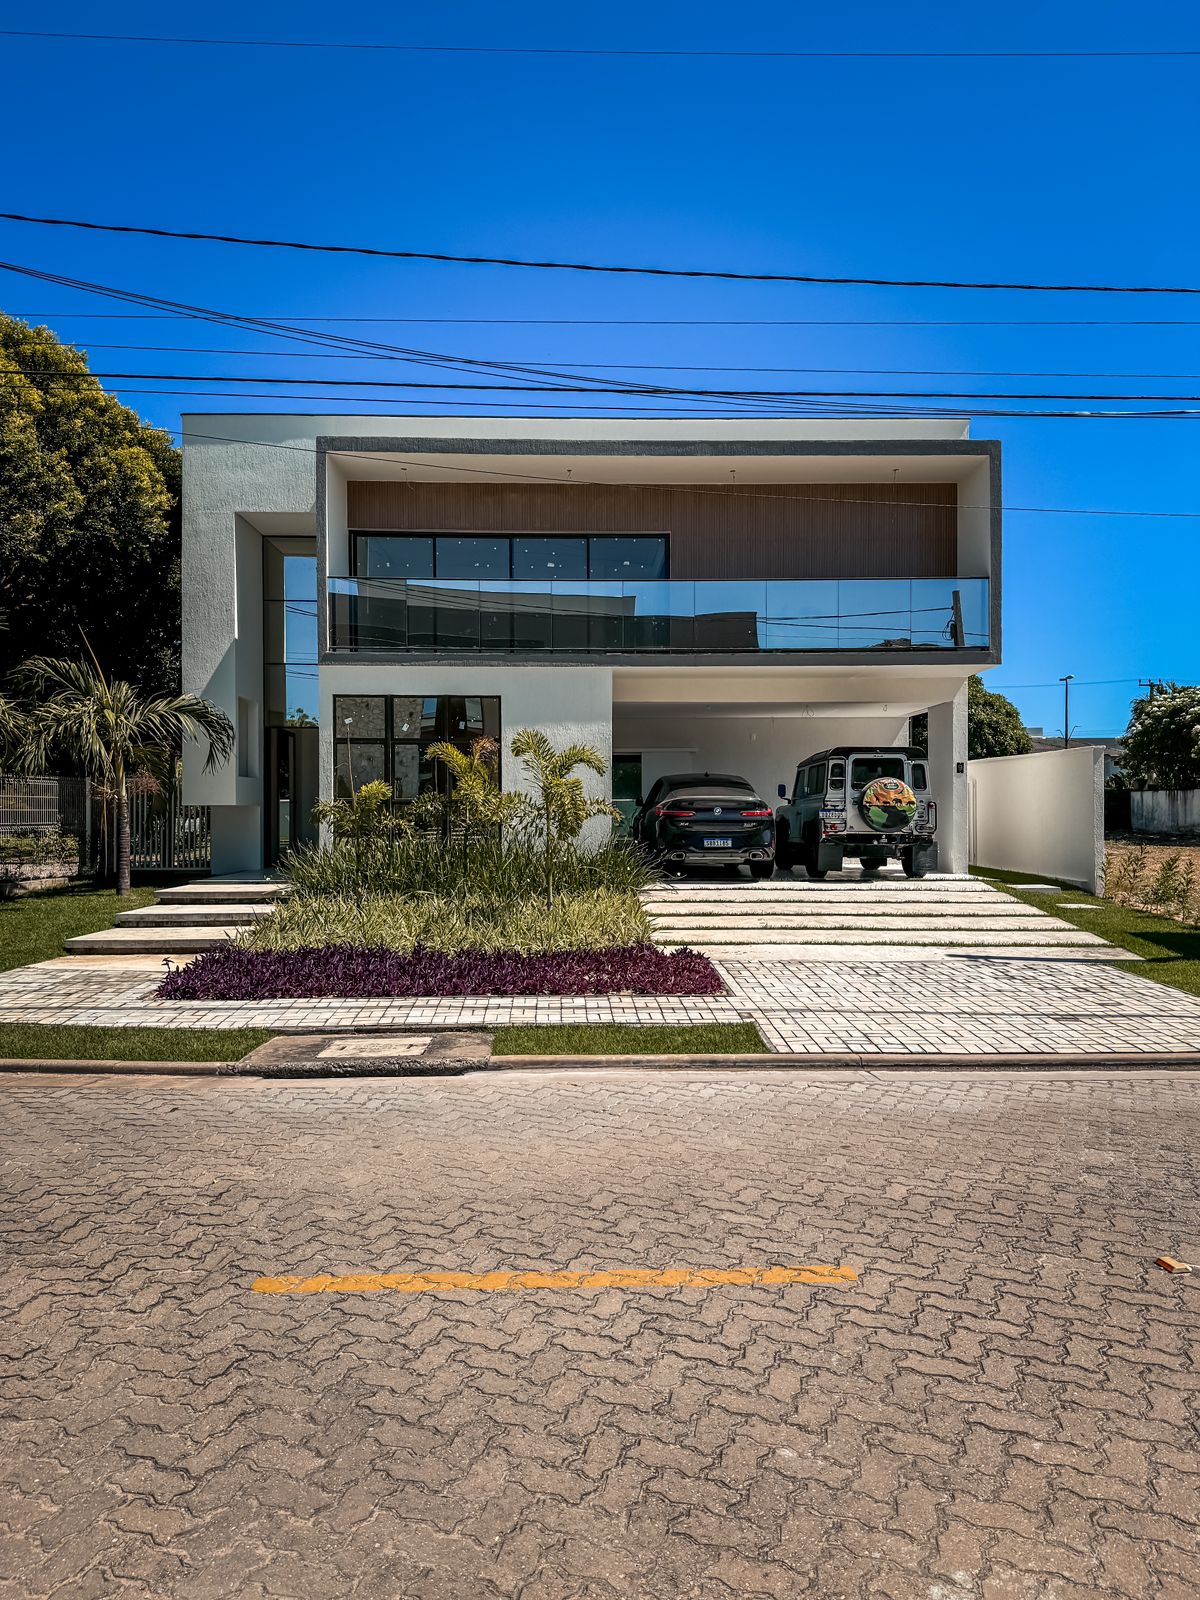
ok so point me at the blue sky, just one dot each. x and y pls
(1033, 170)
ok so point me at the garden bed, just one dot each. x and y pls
(350, 972)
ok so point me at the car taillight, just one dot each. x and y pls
(662, 811)
(763, 813)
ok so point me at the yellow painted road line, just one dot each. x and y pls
(622, 1278)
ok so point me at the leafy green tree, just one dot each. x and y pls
(113, 732)
(1162, 744)
(994, 726)
(89, 517)
(558, 807)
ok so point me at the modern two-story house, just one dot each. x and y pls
(682, 594)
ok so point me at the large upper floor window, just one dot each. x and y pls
(530, 557)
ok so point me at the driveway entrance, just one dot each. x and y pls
(850, 916)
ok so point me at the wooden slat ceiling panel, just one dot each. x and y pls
(815, 530)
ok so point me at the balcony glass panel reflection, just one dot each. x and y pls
(800, 616)
(875, 614)
(729, 616)
(679, 616)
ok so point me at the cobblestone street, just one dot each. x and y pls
(1001, 1407)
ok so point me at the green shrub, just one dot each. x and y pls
(495, 868)
(36, 849)
(591, 919)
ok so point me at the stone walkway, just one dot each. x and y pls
(948, 1005)
(1002, 1407)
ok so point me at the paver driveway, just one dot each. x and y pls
(1002, 1406)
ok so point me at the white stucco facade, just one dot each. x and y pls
(250, 479)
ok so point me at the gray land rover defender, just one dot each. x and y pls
(872, 803)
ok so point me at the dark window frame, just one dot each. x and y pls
(388, 742)
(434, 534)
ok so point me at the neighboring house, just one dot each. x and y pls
(1114, 749)
(722, 595)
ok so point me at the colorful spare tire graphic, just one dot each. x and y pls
(888, 803)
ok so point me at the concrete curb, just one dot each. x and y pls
(175, 1069)
(782, 1061)
(1177, 1061)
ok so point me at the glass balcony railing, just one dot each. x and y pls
(669, 617)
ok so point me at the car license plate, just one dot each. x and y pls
(718, 844)
(832, 811)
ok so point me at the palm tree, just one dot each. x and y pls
(474, 796)
(558, 803)
(12, 727)
(112, 731)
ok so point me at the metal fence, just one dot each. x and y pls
(165, 835)
(42, 805)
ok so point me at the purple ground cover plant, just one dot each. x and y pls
(353, 972)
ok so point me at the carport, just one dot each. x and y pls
(761, 722)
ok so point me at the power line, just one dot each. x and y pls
(664, 322)
(688, 488)
(636, 404)
(656, 366)
(606, 51)
(707, 273)
(460, 470)
(668, 391)
(1054, 683)
(509, 370)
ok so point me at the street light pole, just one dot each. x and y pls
(1066, 683)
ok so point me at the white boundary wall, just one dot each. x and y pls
(1169, 811)
(1042, 814)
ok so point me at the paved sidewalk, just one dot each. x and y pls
(948, 1005)
(1001, 1408)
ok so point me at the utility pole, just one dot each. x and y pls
(1066, 683)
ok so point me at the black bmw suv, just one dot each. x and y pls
(692, 819)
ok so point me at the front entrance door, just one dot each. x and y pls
(292, 787)
(626, 788)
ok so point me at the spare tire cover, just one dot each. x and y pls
(888, 803)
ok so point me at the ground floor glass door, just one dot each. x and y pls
(292, 790)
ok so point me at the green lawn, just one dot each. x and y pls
(34, 927)
(627, 1039)
(1170, 950)
(34, 1041)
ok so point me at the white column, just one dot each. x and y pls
(236, 839)
(948, 779)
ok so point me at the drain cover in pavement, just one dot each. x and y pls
(347, 1055)
(381, 1047)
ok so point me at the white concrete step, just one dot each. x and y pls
(836, 905)
(782, 954)
(903, 888)
(1052, 935)
(224, 891)
(831, 923)
(193, 916)
(150, 941)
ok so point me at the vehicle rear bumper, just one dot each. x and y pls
(682, 856)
